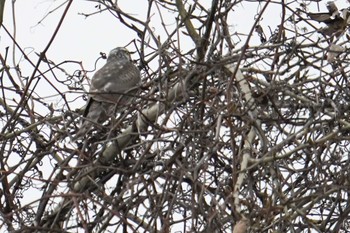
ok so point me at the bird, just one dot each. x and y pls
(335, 22)
(112, 88)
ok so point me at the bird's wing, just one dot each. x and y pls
(114, 79)
(95, 113)
(321, 17)
(86, 110)
(87, 121)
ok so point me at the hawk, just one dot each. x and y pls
(111, 89)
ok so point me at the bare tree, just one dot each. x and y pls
(232, 132)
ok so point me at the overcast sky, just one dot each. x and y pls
(82, 38)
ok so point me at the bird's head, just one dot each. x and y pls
(119, 54)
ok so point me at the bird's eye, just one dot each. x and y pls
(123, 54)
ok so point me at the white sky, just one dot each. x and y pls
(79, 37)
(82, 39)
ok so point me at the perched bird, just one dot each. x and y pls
(111, 89)
(336, 22)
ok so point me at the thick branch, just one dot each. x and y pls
(2, 4)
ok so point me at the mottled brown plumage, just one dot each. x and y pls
(112, 88)
(336, 22)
